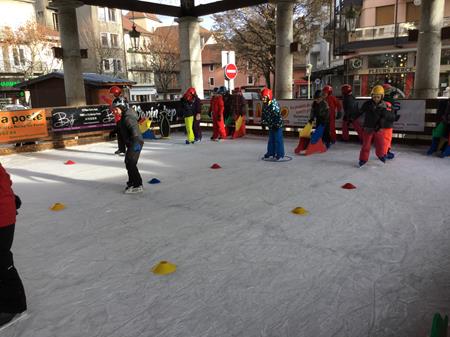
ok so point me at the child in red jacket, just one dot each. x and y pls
(12, 294)
(335, 108)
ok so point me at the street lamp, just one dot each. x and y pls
(134, 36)
(351, 16)
(308, 73)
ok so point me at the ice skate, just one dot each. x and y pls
(7, 319)
(134, 190)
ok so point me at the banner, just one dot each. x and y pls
(296, 113)
(81, 118)
(154, 110)
(23, 124)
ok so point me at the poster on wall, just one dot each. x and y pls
(22, 125)
(82, 118)
(296, 113)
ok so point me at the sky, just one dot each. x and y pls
(207, 20)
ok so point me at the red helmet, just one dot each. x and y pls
(266, 92)
(346, 89)
(115, 91)
(387, 86)
(328, 89)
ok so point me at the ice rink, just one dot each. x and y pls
(373, 261)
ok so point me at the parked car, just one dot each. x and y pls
(14, 107)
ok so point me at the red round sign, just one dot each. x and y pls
(230, 71)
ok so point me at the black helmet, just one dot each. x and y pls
(121, 103)
(318, 94)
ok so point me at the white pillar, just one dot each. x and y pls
(68, 29)
(283, 56)
(191, 73)
(426, 81)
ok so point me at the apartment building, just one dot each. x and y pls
(383, 47)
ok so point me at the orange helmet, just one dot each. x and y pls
(115, 91)
(328, 89)
(266, 92)
(346, 89)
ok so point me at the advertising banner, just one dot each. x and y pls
(154, 110)
(296, 113)
(82, 118)
(22, 125)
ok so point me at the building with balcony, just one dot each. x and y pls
(26, 42)
(382, 47)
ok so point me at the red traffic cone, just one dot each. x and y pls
(69, 162)
(215, 166)
(348, 186)
(318, 147)
(302, 144)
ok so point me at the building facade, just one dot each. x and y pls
(26, 41)
(383, 47)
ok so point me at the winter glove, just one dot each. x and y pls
(397, 117)
(137, 147)
(18, 202)
(339, 115)
(310, 121)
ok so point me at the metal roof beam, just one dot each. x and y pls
(137, 6)
(225, 5)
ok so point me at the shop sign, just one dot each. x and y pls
(395, 70)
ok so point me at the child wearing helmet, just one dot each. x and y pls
(271, 117)
(351, 113)
(335, 109)
(133, 140)
(239, 110)
(191, 108)
(216, 110)
(375, 112)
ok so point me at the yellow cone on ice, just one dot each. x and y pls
(164, 268)
(299, 211)
(58, 207)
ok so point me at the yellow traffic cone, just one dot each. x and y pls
(58, 207)
(299, 211)
(164, 268)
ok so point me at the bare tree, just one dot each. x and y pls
(251, 32)
(31, 45)
(161, 57)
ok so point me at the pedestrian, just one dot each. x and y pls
(351, 113)
(335, 109)
(271, 117)
(239, 110)
(375, 111)
(321, 114)
(133, 140)
(191, 109)
(12, 293)
(216, 110)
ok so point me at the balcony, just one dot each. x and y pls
(387, 31)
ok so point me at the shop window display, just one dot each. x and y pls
(388, 60)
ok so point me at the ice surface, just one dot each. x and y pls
(374, 261)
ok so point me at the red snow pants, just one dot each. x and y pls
(378, 138)
(387, 139)
(218, 126)
(356, 126)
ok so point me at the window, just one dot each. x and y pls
(16, 57)
(211, 81)
(106, 65)
(249, 79)
(112, 14)
(385, 15)
(21, 56)
(412, 12)
(104, 39)
(118, 65)
(445, 56)
(101, 13)
(211, 67)
(55, 21)
(248, 65)
(114, 40)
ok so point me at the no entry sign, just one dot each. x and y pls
(230, 71)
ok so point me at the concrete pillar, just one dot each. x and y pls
(426, 82)
(68, 29)
(191, 73)
(283, 56)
